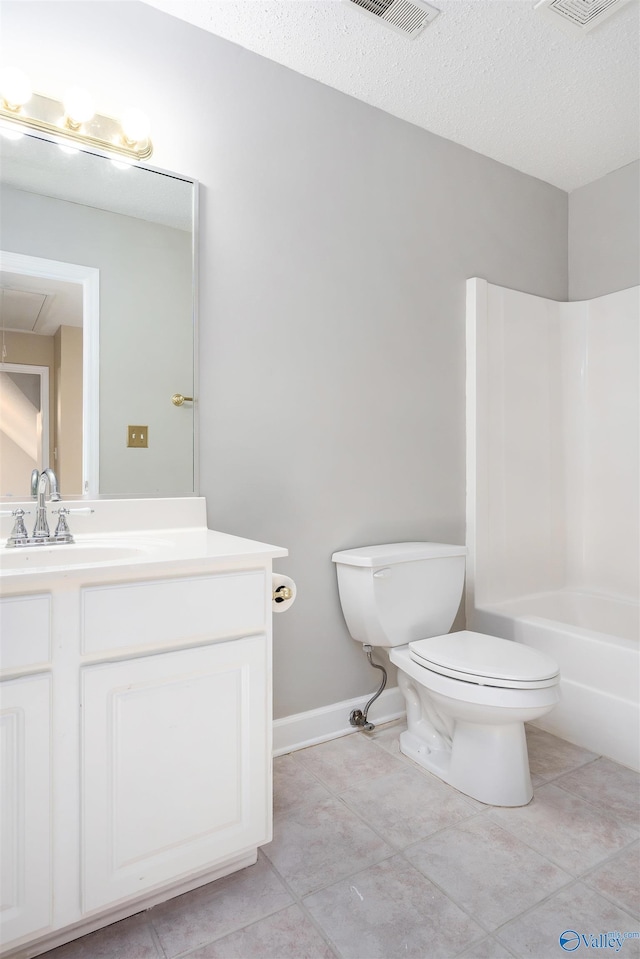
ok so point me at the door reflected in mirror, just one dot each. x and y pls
(112, 309)
(24, 425)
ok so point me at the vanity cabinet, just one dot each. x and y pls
(25, 765)
(25, 810)
(174, 770)
(136, 730)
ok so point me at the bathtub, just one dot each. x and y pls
(596, 642)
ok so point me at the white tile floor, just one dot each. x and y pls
(374, 858)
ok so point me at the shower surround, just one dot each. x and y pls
(552, 498)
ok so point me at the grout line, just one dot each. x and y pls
(154, 935)
(491, 939)
(584, 877)
(299, 897)
(575, 882)
(230, 932)
(609, 858)
(339, 796)
(362, 779)
(463, 908)
(597, 806)
(565, 772)
(531, 909)
(554, 862)
(249, 925)
(326, 938)
(299, 901)
(214, 893)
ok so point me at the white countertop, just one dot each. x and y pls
(126, 552)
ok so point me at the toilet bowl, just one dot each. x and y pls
(467, 726)
(467, 694)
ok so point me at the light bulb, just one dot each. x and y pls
(78, 106)
(135, 126)
(15, 87)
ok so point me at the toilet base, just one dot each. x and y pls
(489, 763)
(471, 735)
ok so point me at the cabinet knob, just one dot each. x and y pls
(178, 399)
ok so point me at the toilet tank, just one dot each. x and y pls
(400, 592)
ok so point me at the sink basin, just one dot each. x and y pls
(71, 554)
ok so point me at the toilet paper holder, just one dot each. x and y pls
(283, 593)
(280, 593)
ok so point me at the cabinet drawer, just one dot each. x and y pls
(172, 611)
(25, 631)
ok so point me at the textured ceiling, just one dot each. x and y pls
(492, 75)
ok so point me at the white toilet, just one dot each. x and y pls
(468, 695)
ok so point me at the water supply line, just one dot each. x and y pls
(358, 717)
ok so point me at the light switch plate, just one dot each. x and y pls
(138, 436)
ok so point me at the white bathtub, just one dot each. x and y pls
(596, 642)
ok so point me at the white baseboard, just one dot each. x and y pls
(330, 722)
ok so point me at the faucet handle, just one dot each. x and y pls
(62, 529)
(19, 531)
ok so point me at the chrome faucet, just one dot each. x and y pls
(39, 483)
(41, 535)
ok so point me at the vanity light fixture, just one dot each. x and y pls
(72, 120)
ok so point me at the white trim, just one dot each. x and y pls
(195, 232)
(330, 722)
(89, 277)
(476, 312)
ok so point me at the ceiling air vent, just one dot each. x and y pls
(578, 16)
(408, 17)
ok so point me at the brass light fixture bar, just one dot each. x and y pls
(45, 115)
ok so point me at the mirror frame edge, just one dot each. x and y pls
(196, 329)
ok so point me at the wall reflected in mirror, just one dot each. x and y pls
(134, 228)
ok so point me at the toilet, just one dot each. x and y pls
(468, 695)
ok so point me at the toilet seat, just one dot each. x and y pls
(485, 660)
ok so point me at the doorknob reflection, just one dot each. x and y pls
(178, 399)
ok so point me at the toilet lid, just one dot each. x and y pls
(487, 660)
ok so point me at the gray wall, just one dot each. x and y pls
(335, 245)
(604, 234)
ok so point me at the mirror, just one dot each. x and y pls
(97, 279)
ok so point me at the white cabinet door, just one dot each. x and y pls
(25, 809)
(176, 770)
